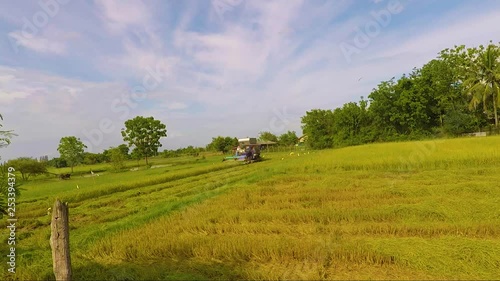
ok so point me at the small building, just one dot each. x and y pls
(302, 140)
(476, 134)
(266, 144)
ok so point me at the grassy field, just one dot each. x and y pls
(413, 210)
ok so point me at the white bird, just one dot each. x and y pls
(91, 172)
(77, 187)
(298, 154)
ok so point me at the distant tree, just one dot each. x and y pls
(438, 79)
(459, 122)
(90, 158)
(124, 149)
(57, 162)
(317, 124)
(144, 134)
(101, 158)
(288, 139)
(106, 154)
(27, 167)
(351, 124)
(71, 150)
(190, 150)
(169, 153)
(94, 158)
(222, 144)
(44, 158)
(117, 158)
(136, 155)
(267, 136)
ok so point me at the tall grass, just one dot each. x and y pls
(415, 210)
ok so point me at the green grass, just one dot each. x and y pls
(85, 169)
(413, 210)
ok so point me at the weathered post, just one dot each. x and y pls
(59, 241)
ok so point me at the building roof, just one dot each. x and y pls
(267, 142)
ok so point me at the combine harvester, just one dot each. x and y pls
(248, 150)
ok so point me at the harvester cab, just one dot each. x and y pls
(248, 150)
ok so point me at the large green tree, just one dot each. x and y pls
(383, 109)
(438, 80)
(288, 139)
(144, 133)
(352, 124)
(318, 124)
(403, 109)
(71, 150)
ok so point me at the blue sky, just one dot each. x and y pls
(208, 68)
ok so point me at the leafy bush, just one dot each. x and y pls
(28, 167)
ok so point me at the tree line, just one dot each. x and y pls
(455, 93)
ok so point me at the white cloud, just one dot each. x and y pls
(177, 106)
(51, 107)
(8, 97)
(472, 30)
(117, 15)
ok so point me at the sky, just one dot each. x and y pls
(209, 68)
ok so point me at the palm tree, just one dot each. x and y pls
(483, 83)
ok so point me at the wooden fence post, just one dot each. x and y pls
(59, 241)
